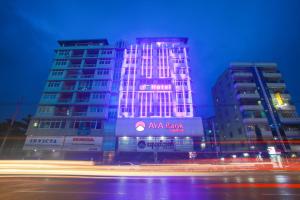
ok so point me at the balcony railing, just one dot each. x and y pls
(71, 76)
(276, 85)
(79, 113)
(87, 76)
(77, 55)
(89, 65)
(81, 100)
(58, 113)
(92, 55)
(67, 100)
(68, 87)
(74, 65)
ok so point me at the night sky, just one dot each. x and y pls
(219, 32)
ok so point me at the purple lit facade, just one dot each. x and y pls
(155, 90)
(155, 79)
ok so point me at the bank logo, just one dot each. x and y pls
(140, 126)
(142, 144)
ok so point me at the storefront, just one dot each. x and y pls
(158, 135)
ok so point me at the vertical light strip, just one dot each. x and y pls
(188, 83)
(163, 61)
(142, 72)
(133, 90)
(165, 101)
(147, 56)
(168, 66)
(170, 105)
(151, 53)
(182, 90)
(146, 104)
(128, 78)
(160, 103)
(151, 97)
(159, 62)
(141, 102)
(121, 89)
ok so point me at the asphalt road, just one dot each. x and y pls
(233, 186)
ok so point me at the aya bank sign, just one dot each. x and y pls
(169, 126)
(159, 127)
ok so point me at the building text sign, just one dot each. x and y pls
(159, 127)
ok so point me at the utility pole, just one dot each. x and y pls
(13, 119)
(215, 138)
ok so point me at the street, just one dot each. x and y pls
(210, 185)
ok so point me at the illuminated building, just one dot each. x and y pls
(254, 109)
(156, 112)
(98, 95)
(76, 115)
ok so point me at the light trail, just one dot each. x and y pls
(87, 168)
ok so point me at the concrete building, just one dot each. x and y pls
(156, 111)
(254, 110)
(100, 99)
(77, 112)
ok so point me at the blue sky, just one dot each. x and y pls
(219, 32)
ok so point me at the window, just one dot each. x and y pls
(179, 95)
(100, 83)
(98, 95)
(63, 52)
(103, 52)
(45, 109)
(186, 94)
(52, 124)
(57, 72)
(180, 108)
(187, 108)
(102, 71)
(60, 62)
(52, 84)
(104, 61)
(49, 96)
(91, 124)
(96, 109)
(112, 114)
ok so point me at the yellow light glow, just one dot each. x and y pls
(279, 99)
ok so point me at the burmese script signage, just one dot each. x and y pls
(159, 127)
(156, 144)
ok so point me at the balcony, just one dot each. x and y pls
(251, 107)
(61, 113)
(272, 75)
(83, 100)
(287, 108)
(244, 85)
(89, 65)
(276, 85)
(253, 120)
(65, 100)
(289, 120)
(76, 114)
(87, 76)
(77, 55)
(241, 74)
(292, 133)
(248, 96)
(91, 55)
(71, 76)
(74, 65)
(68, 87)
(265, 134)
